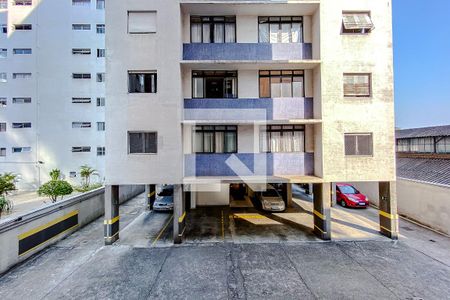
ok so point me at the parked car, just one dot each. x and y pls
(271, 200)
(164, 199)
(348, 196)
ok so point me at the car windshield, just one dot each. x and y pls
(348, 189)
(166, 192)
(270, 193)
(165, 200)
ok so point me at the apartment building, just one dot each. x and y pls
(217, 97)
(52, 89)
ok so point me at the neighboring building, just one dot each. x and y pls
(209, 95)
(423, 175)
(52, 95)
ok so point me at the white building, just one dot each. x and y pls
(51, 118)
(209, 95)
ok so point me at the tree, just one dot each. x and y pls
(7, 183)
(55, 174)
(55, 188)
(5, 205)
(86, 172)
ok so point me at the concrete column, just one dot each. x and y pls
(310, 188)
(388, 209)
(193, 199)
(111, 223)
(322, 215)
(179, 214)
(287, 194)
(333, 194)
(150, 192)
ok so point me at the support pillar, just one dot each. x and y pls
(111, 223)
(333, 194)
(193, 199)
(287, 194)
(150, 192)
(322, 215)
(388, 209)
(310, 189)
(179, 214)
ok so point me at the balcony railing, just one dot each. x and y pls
(249, 164)
(258, 109)
(247, 51)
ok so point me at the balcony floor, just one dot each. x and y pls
(251, 179)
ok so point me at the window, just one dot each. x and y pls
(4, 28)
(356, 22)
(2, 152)
(100, 126)
(23, 2)
(100, 4)
(280, 29)
(22, 51)
(101, 28)
(21, 149)
(3, 77)
(358, 144)
(215, 139)
(357, 85)
(443, 145)
(284, 83)
(81, 51)
(101, 52)
(213, 29)
(421, 145)
(81, 124)
(2, 127)
(214, 84)
(3, 4)
(100, 77)
(100, 151)
(23, 27)
(142, 142)
(101, 101)
(3, 101)
(72, 174)
(21, 125)
(21, 100)
(282, 138)
(142, 22)
(142, 82)
(81, 26)
(81, 76)
(81, 100)
(81, 149)
(81, 2)
(21, 75)
(3, 53)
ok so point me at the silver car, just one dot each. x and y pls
(271, 200)
(164, 199)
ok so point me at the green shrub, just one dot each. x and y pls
(5, 205)
(54, 189)
(87, 188)
(7, 183)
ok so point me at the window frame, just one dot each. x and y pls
(151, 73)
(21, 125)
(22, 149)
(101, 151)
(83, 149)
(355, 32)
(23, 2)
(211, 28)
(268, 129)
(82, 76)
(101, 126)
(233, 73)
(81, 27)
(281, 76)
(369, 75)
(142, 153)
(81, 100)
(81, 51)
(23, 27)
(26, 100)
(100, 28)
(101, 51)
(280, 26)
(101, 101)
(370, 134)
(214, 130)
(3, 152)
(22, 51)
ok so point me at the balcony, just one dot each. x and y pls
(249, 164)
(259, 109)
(247, 52)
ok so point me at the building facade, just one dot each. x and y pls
(210, 95)
(52, 92)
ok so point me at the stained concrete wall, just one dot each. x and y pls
(90, 206)
(425, 203)
(213, 194)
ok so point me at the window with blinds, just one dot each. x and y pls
(358, 144)
(141, 22)
(357, 22)
(357, 85)
(282, 138)
(217, 29)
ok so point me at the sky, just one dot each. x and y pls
(421, 62)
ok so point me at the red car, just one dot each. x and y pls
(348, 196)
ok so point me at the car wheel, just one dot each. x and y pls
(343, 204)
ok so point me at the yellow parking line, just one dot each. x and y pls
(162, 230)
